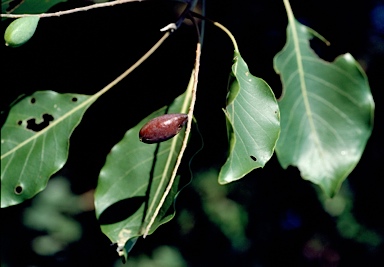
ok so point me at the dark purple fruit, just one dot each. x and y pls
(162, 128)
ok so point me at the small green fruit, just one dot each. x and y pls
(20, 31)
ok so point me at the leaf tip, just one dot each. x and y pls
(330, 187)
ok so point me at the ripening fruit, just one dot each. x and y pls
(162, 128)
(20, 30)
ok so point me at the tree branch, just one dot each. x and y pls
(70, 11)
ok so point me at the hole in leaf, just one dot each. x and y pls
(33, 100)
(321, 49)
(253, 158)
(18, 189)
(121, 210)
(19, 122)
(74, 99)
(32, 125)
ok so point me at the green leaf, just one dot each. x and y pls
(326, 111)
(20, 31)
(27, 6)
(133, 181)
(253, 125)
(35, 140)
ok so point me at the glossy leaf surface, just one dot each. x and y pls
(133, 180)
(35, 141)
(253, 123)
(326, 111)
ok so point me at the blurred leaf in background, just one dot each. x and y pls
(163, 256)
(51, 213)
(229, 216)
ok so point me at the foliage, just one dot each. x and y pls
(127, 167)
(28, 6)
(34, 142)
(253, 123)
(321, 125)
(326, 111)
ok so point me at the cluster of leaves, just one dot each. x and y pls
(321, 125)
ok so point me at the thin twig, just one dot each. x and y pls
(70, 11)
(187, 10)
(220, 26)
(185, 141)
(229, 34)
(91, 99)
(134, 66)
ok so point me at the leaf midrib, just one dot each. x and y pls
(50, 126)
(303, 86)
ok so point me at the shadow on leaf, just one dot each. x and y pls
(121, 210)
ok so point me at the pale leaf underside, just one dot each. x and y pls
(326, 111)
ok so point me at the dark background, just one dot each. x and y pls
(83, 52)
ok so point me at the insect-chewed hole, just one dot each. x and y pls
(19, 122)
(74, 99)
(32, 125)
(18, 189)
(33, 100)
(253, 158)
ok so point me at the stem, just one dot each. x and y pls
(191, 94)
(89, 100)
(185, 141)
(134, 66)
(70, 11)
(291, 20)
(221, 27)
(288, 8)
(229, 34)
(202, 22)
(191, 5)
